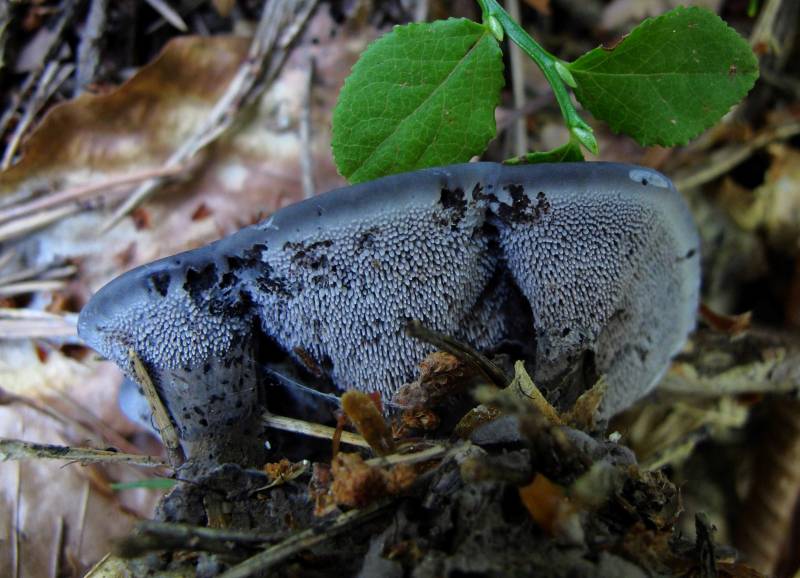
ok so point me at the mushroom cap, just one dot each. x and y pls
(607, 251)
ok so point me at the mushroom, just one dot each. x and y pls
(593, 262)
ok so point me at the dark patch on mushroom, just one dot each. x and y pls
(455, 204)
(542, 204)
(251, 258)
(366, 240)
(521, 209)
(689, 254)
(198, 283)
(228, 279)
(270, 283)
(160, 282)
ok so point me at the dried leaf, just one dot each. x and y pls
(475, 418)
(442, 375)
(357, 484)
(731, 324)
(420, 418)
(547, 504)
(283, 470)
(361, 410)
(541, 6)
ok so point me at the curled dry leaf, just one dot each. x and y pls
(441, 375)
(357, 484)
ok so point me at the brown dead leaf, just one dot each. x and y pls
(441, 375)
(547, 504)
(138, 124)
(369, 422)
(278, 470)
(357, 484)
(420, 418)
(731, 324)
(319, 489)
(541, 6)
(622, 14)
(475, 418)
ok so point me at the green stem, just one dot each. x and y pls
(549, 67)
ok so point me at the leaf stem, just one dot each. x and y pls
(549, 66)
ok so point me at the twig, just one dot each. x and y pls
(169, 14)
(306, 158)
(299, 426)
(18, 450)
(25, 225)
(66, 9)
(44, 328)
(7, 257)
(58, 543)
(164, 425)
(81, 192)
(187, 6)
(84, 432)
(426, 455)
(153, 536)
(302, 541)
(89, 47)
(722, 161)
(47, 271)
(40, 95)
(13, 289)
(54, 75)
(240, 91)
(765, 520)
(517, 85)
(87, 488)
(15, 534)
(461, 350)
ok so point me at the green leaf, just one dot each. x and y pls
(568, 153)
(421, 96)
(673, 77)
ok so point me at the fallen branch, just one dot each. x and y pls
(18, 450)
(302, 541)
(154, 536)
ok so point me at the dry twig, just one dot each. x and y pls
(312, 429)
(306, 159)
(53, 76)
(302, 541)
(169, 14)
(722, 161)
(18, 450)
(33, 324)
(164, 425)
(153, 536)
(89, 47)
